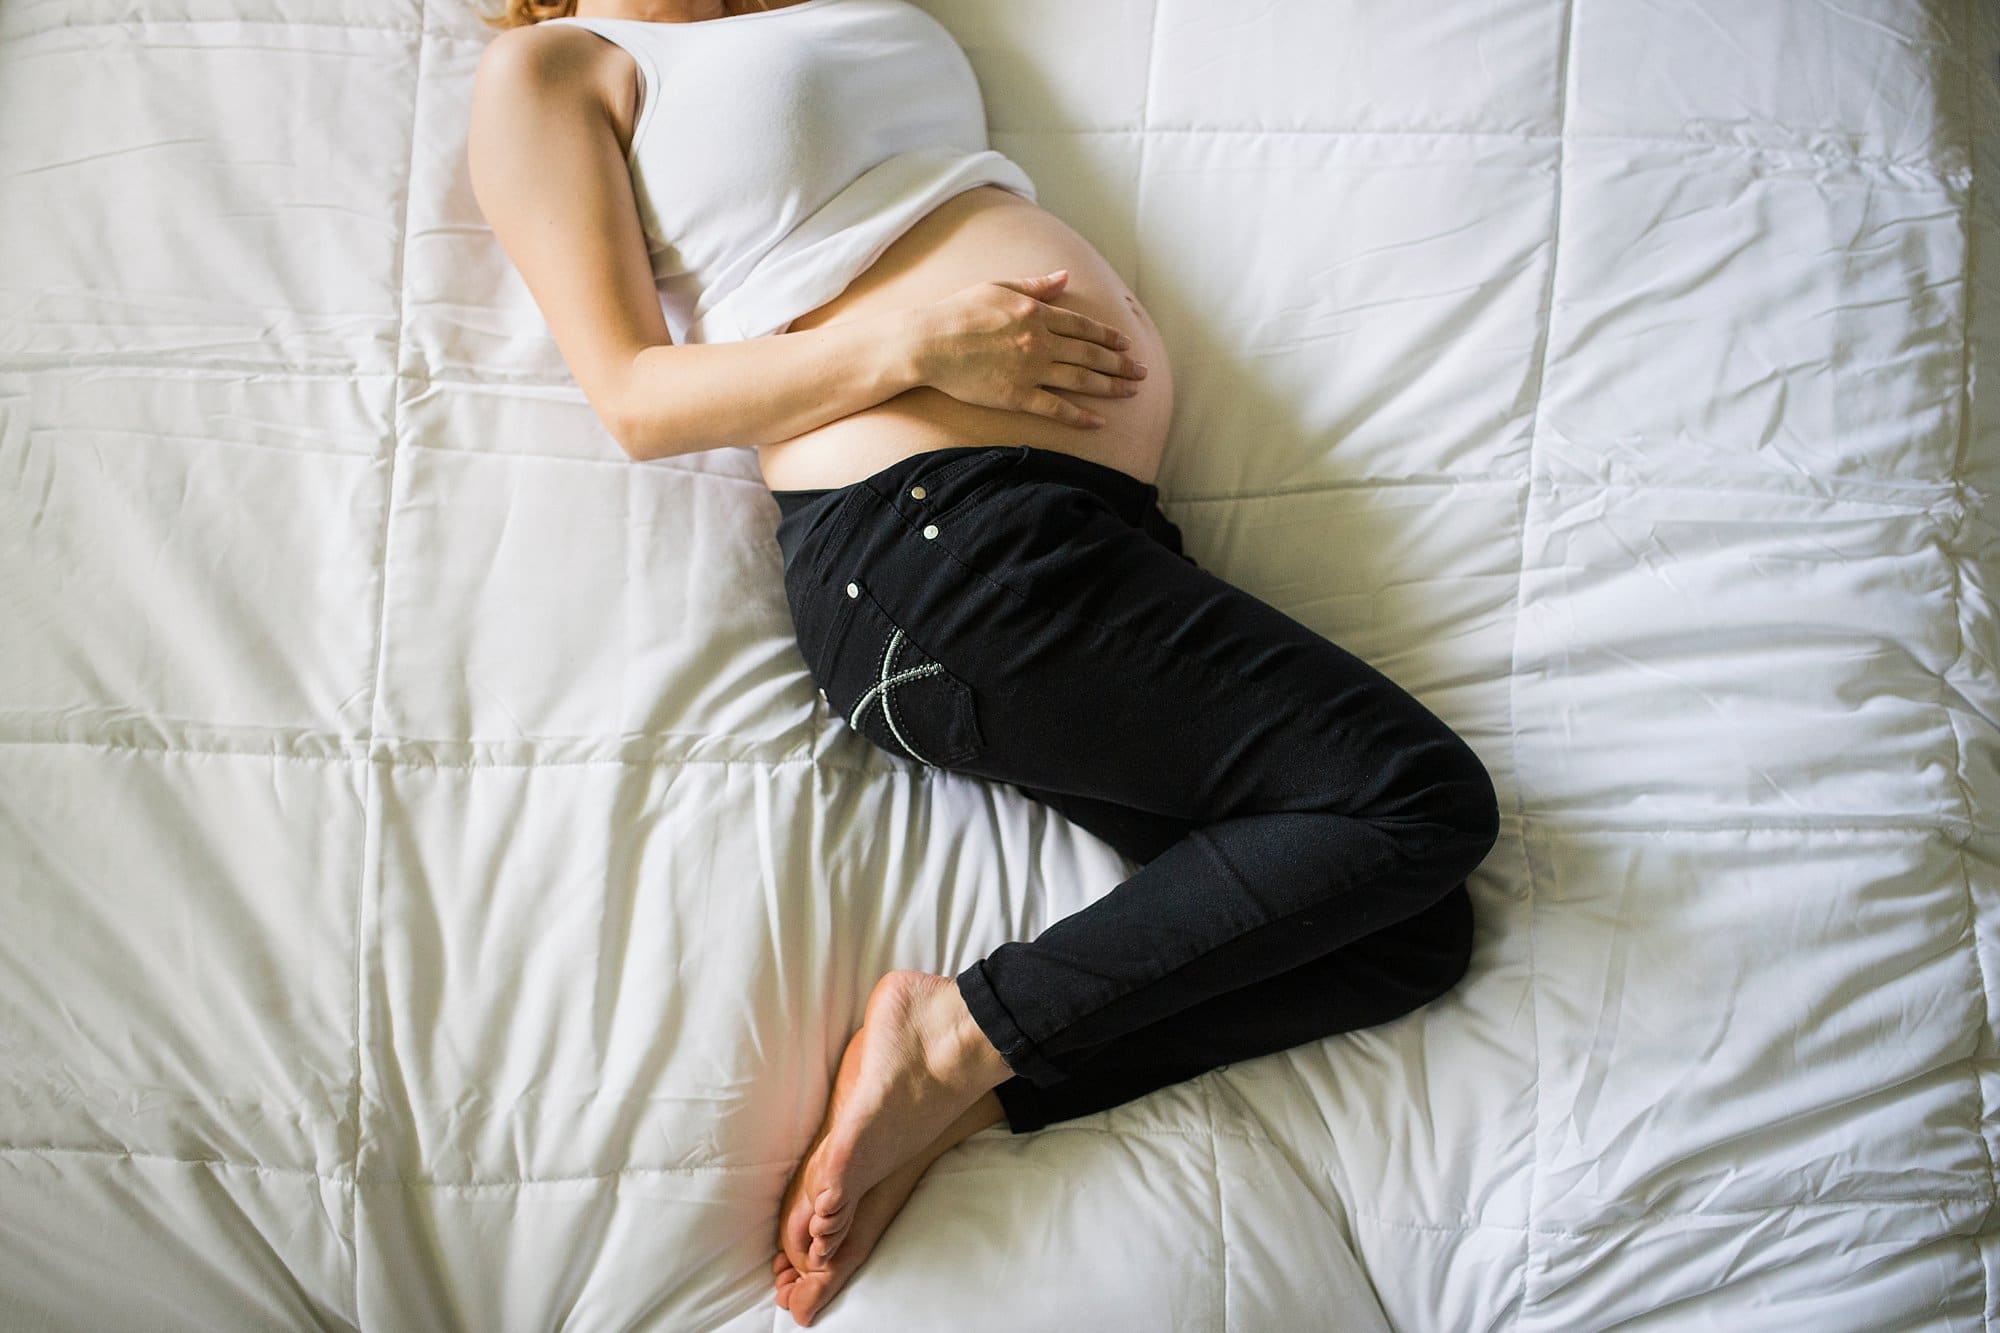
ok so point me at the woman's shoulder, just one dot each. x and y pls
(552, 60)
(551, 47)
(562, 52)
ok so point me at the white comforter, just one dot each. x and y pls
(431, 896)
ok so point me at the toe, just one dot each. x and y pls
(786, 1278)
(806, 1295)
(796, 1236)
(821, 1255)
(825, 1284)
(829, 1201)
(825, 1238)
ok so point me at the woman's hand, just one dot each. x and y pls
(998, 345)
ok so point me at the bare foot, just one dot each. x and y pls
(917, 1063)
(805, 1294)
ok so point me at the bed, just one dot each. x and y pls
(434, 897)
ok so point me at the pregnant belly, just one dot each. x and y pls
(982, 235)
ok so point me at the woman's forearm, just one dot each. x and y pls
(684, 399)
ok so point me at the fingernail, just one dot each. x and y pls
(1123, 341)
(1142, 368)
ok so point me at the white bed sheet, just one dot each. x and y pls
(434, 898)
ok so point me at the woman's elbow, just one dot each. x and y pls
(620, 415)
(629, 438)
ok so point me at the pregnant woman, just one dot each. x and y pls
(782, 226)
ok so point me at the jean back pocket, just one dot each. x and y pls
(883, 683)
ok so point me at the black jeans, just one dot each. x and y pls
(1304, 826)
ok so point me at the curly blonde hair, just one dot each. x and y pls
(521, 13)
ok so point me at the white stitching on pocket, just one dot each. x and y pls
(881, 689)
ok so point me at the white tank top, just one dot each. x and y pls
(778, 154)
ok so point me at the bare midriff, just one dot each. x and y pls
(985, 234)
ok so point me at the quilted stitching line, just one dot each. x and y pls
(1947, 546)
(1121, 1130)
(373, 817)
(1565, 72)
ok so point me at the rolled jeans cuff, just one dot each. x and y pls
(1021, 1105)
(1021, 1054)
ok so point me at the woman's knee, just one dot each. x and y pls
(1421, 957)
(1475, 807)
(1449, 816)
(1451, 958)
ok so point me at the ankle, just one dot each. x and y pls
(982, 1114)
(971, 1060)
